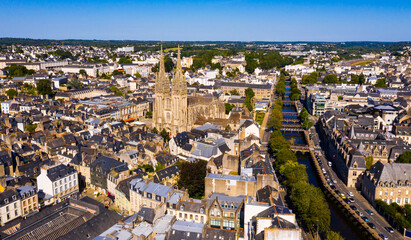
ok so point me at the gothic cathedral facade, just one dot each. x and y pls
(170, 105)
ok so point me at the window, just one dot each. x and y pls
(212, 212)
(15, 213)
(180, 215)
(399, 192)
(215, 223)
(7, 209)
(56, 190)
(380, 193)
(406, 201)
(15, 205)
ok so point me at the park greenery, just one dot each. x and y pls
(259, 117)
(11, 93)
(310, 79)
(398, 215)
(192, 178)
(31, 127)
(405, 157)
(295, 92)
(235, 92)
(266, 60)
(228, 107)
(44, 87)
(381, 83)
(280, 87)
(306, 123)
(18, 71)
(275, 121)
(168, 65)
(248, 102)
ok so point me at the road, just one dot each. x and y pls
(360, 202)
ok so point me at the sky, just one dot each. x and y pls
(235, 20)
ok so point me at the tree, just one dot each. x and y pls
(249, 94)
(137, 75)
(44, 87)
(252, 63)
(154, 130)
(310, 79)
(18, 71)
(11, 93)
(192, 177)
(361, 79)
(354, 79)
(75, 83)
(228, 107)
(147, 167)
(369, 161)
(124, 60)
(234, 92)
(331, 78)
(310, 206)
(278, 142)
(31, 128)
(168, 65)
(149, 115)
(293, 172)
(117, 72)
(82, 72)
(331, 235)
(165, 135)
(381, 83)
(285, 155)
(405, 157)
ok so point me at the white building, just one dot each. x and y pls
(58, 182)
(5, 106)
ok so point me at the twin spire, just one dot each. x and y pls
(179, 84)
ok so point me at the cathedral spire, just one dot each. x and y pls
(162, 82)
(179, 81)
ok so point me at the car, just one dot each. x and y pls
(369, 212)
(337, 192)
(371, 225)
(351, 200)
(333, 187)
(365, 219)
(383, 236)
(330, 164)
(359, 213)
(350, 194)
(346, 201)
(353, 207)
(342, 196)
(334, 180)
(389, 229)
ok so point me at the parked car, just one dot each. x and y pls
(337, 192)
(333, 187)
(371, 225)
(365, 219)
(369, 212)
(351, 200)
(350, 194)
(342, 196)
(389, 229)
(334, 180)
(353, 207)
(359, 213)
(383, 236)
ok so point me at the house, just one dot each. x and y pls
(99, 170)
(223, 211)
(390, 182)
(191, 211)
(145, 193)
(231, 185)
(58, 182)
(168, 174)
(10, 206)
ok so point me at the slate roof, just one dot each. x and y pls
(214, 233)
(147, 214)
(169, 172)
(185, 230)
(391, 172)
(59, 171)
(108, 163)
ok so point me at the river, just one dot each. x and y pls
(339, 222)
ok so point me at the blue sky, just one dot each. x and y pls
(292, 20)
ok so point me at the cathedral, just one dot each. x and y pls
(174, 111)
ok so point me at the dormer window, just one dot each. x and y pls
(14, 197)
(182, 208)
(201, 210)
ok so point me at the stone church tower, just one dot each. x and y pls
(170, 105)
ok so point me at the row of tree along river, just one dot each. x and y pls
(296, 172)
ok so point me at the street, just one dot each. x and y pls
(360, 202)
